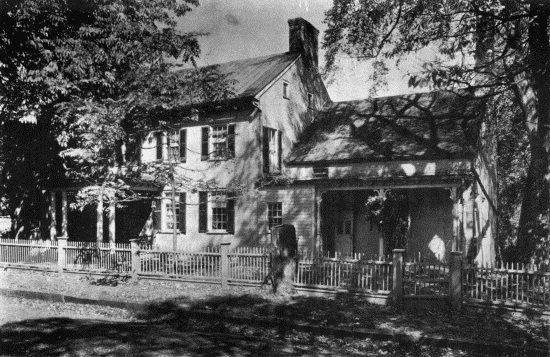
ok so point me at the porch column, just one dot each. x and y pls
(64, 209)
(111, 221)
(318, 247)
(99, 223)
(454, 198)
(53, 230)
(381, 194)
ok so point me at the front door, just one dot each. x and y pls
(344, 233)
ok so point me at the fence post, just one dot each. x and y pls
(136, 265)
(398, 277)
(224, 264)
(456, 280)
(61, 252)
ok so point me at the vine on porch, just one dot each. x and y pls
(389, 213)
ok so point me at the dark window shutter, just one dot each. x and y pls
(265, 148)
(183, 145)
(156, 214)
(231, 213)
(203, 212)
(231, 140)
(204, 144)
(183, 210)
(158, 137)
(280, 148)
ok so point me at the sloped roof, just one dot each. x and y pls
(433, 125)
(249, 76)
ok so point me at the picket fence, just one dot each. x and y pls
(507, 284)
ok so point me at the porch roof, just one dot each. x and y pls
(432, 125)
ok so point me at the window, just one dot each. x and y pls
(216, 212)
(286, 90)
(320, 172)
(272, 142)
(218, 142)
(310, 100)
(274, 214)
(163, 216)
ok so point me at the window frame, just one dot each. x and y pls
(209, 140)
(217, 203)
(270, 217)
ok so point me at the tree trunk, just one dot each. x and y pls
(535, 90)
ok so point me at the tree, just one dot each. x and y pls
(495, 47)
(82, 80)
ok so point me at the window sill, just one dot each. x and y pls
(169, 232)
(217, 232)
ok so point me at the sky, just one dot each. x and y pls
(238, 29)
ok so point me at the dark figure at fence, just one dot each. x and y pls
(283, 259)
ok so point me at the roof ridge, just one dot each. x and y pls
(398, 95)
(239, 60)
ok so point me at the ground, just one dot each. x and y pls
(75, 323)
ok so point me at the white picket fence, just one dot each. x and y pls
(508, 284)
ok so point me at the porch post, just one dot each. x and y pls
(53, 229)
(112, 222)
(398, 277)
(382, 194)
(99, 223)
(64, 208)
(318, 247)
(454, 198)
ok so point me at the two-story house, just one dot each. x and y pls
(225, 152)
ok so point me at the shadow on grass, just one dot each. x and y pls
(202, 328)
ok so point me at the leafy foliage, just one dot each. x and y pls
(83, 79)
(389, 214)
(492, 47)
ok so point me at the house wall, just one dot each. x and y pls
(431, 224)
(290, 116)
(298, 203)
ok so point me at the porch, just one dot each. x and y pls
(432, 219)
(102, 222)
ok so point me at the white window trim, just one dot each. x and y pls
(211, 148)
(267, 216)
(211, 203)
(165, 212)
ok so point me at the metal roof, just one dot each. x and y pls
(249, 76)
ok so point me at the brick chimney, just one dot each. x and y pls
(302, 38)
